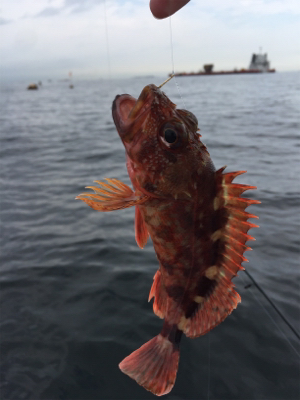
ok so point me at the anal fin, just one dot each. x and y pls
(160, 296)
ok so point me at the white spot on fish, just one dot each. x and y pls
(155, 222)
(182, 323)
(211, 272)
(198, 299)
(216, 203)
(216, 235)
(150, 211)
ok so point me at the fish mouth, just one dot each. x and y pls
(129, 113)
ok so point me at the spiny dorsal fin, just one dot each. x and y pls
(223, 299)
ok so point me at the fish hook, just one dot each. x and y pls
(171, 76)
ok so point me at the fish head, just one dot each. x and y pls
(163, 147)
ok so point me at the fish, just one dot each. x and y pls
(195, 216)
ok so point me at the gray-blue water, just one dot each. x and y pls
(74, 284)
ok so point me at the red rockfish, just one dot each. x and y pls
(195, 218)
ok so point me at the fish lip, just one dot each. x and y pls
(119, 112)
(129, 113)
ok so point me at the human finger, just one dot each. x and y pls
(165, 8)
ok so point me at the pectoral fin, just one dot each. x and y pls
(111, 195)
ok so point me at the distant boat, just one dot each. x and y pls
(71, 86)
(259, 63)
(32, 86)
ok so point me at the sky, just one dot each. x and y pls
(42, 39)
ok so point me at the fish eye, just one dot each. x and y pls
(173, 134)
(170, 135)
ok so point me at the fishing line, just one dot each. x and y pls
(172, 61)
(208, 373)
(267, 312)
(273, 305)
(107, 45)
(171, 43)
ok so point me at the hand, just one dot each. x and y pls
(165, 8)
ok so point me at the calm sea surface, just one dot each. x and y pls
(74, 284)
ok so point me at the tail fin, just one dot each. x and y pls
(154, 365)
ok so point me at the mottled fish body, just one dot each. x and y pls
(197, 221)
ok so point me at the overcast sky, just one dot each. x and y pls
(48, 38)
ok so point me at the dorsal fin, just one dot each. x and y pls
(220, 302)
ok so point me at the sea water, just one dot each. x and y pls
(74, 284)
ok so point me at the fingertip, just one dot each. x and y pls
(157, 9)
(165, 8)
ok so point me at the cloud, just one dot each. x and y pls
(71, 7)
(48, 12)
(4, 21)
(251, 7)
(81, 5)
